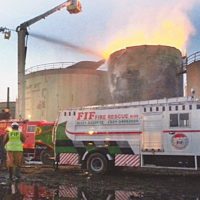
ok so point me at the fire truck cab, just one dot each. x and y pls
(37, 145)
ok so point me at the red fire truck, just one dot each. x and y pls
(37, 145)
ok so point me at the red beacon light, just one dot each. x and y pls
(74, 6)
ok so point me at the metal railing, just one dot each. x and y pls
(191, 58)
(47, 66)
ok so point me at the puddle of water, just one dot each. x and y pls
(23, 191)
(150, 191)
(27, 191)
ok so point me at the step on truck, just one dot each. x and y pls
(163, 133)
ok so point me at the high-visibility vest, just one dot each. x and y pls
(14, 141)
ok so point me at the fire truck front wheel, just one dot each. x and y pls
(45, 157)
(97, 163)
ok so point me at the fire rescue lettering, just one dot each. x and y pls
(92, 118)
(85, 115)
(14, 134)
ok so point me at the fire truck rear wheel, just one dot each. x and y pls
(97, 163)
(45, 157)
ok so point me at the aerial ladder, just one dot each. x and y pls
(73, 7)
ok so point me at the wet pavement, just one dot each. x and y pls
(40, 182)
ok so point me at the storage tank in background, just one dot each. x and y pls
(193, 74)
(49, 91)
(145, 72)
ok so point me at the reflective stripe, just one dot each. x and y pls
(14, 141)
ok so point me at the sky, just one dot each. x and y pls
(102, 27)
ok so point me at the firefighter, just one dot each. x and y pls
(2, 151)
(13, 142)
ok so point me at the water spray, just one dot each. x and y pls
(63, 43)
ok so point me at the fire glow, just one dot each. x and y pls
(169, 27)
(169, 34)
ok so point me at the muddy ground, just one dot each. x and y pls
(43, 182)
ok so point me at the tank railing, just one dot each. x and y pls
(56, 65)
(192, 58)
(189, 60)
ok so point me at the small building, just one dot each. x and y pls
(12, 108)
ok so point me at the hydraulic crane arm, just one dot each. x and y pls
(44, 15)
(73, 6)
(70, 5)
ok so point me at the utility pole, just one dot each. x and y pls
(73, 6)
(22, 36)
(8, 98)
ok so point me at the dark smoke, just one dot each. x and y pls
(65, 44)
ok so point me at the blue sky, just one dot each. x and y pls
(95, 28)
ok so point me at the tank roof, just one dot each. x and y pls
(91, 65)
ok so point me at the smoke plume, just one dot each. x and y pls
(149, 22)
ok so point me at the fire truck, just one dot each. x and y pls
(162, 133)
(43, 142)
(38, 143)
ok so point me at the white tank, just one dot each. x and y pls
(48, 91)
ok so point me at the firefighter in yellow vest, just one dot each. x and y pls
(13, 142)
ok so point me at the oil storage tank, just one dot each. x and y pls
(145, 72)
(51, 90)
(193, 75)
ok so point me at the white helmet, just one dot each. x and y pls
(15, 125)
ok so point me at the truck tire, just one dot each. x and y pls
(97, 163)
(45, 156)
